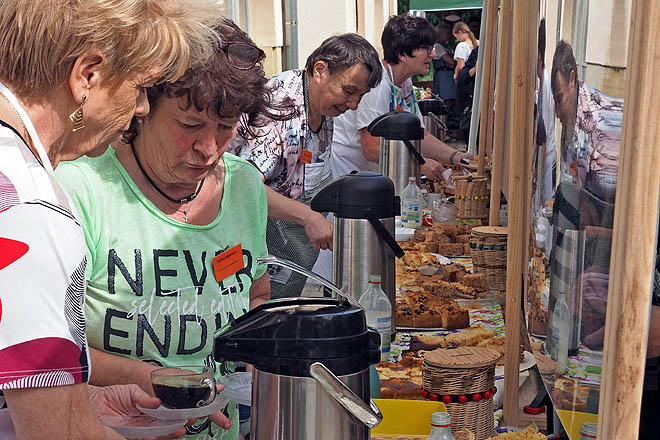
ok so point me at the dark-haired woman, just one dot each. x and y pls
(292, 155)
(408, 48)
(166, 219)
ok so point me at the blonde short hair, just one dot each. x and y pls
(41, 39)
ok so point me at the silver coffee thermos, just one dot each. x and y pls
(364, 206)
(311, 359)
(400, 147)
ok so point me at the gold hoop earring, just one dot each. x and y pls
(77, 117)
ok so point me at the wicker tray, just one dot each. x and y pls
(463, 371)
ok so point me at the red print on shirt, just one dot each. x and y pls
(10, 251)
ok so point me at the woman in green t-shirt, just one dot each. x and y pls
(166, 217)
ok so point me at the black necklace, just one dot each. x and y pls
(190, 198)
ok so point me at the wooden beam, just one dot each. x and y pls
(501, 110)
(522, 80)
(635, 221)
(488, 49)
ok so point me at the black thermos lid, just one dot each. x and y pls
(435, 106)
(286, 336)
(349, 196)
(397, 125)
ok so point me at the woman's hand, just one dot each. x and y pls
(432, 169)
(218, 417)
(122, 400)
(464, 159)
(319, 230)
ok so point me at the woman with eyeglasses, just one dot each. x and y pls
(408, 50)
(173, 225)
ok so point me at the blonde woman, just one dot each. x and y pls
(73, 75)
(466, 42)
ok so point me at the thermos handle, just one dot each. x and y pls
(370, 415)
(383, 233)
(414, 152)
(271, 260)
(438, 121)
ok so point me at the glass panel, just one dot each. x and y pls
(575, 166)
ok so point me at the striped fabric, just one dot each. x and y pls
(8, 194)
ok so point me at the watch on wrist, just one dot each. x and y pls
(451, 158)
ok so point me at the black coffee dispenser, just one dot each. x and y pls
(364, 206)
(401, 135)
(311, 359)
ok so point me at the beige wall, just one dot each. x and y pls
(317, 20)
(267, 30)
(607, 40)
(372, 16)
(609, 26)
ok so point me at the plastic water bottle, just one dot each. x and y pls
(440, 427)
(411, 205)
(378, 311)
(560, 333)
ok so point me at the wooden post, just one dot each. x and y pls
(521, 130)
(488, 49)
(635, 221)
(501, 110)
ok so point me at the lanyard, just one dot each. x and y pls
(410, 107)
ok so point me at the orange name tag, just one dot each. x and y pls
(228, 263)
(306, 156)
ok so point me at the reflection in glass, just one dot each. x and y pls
(571, 230)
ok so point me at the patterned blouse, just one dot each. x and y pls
(592, 155)
(277, 149)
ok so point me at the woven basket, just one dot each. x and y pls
(463, 370)
(472, 195)
(488, 252)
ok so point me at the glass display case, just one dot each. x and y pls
(575, 166)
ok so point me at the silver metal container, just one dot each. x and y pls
(364, 205)
(300, 408)
(359, 251)
(436, 125)
(397, 163)
(401, 134)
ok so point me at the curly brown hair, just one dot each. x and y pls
(224, 91)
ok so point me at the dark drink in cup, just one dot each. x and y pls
(184, 387)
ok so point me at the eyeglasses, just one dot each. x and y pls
(428, 49)
(242, 56)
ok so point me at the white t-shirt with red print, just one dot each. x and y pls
(42, 274)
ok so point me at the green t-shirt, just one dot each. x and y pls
(152, 293)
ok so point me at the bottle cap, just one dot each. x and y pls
(412, 179)
(441, 419)
(374, 279)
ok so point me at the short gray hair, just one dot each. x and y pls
(342, 51)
